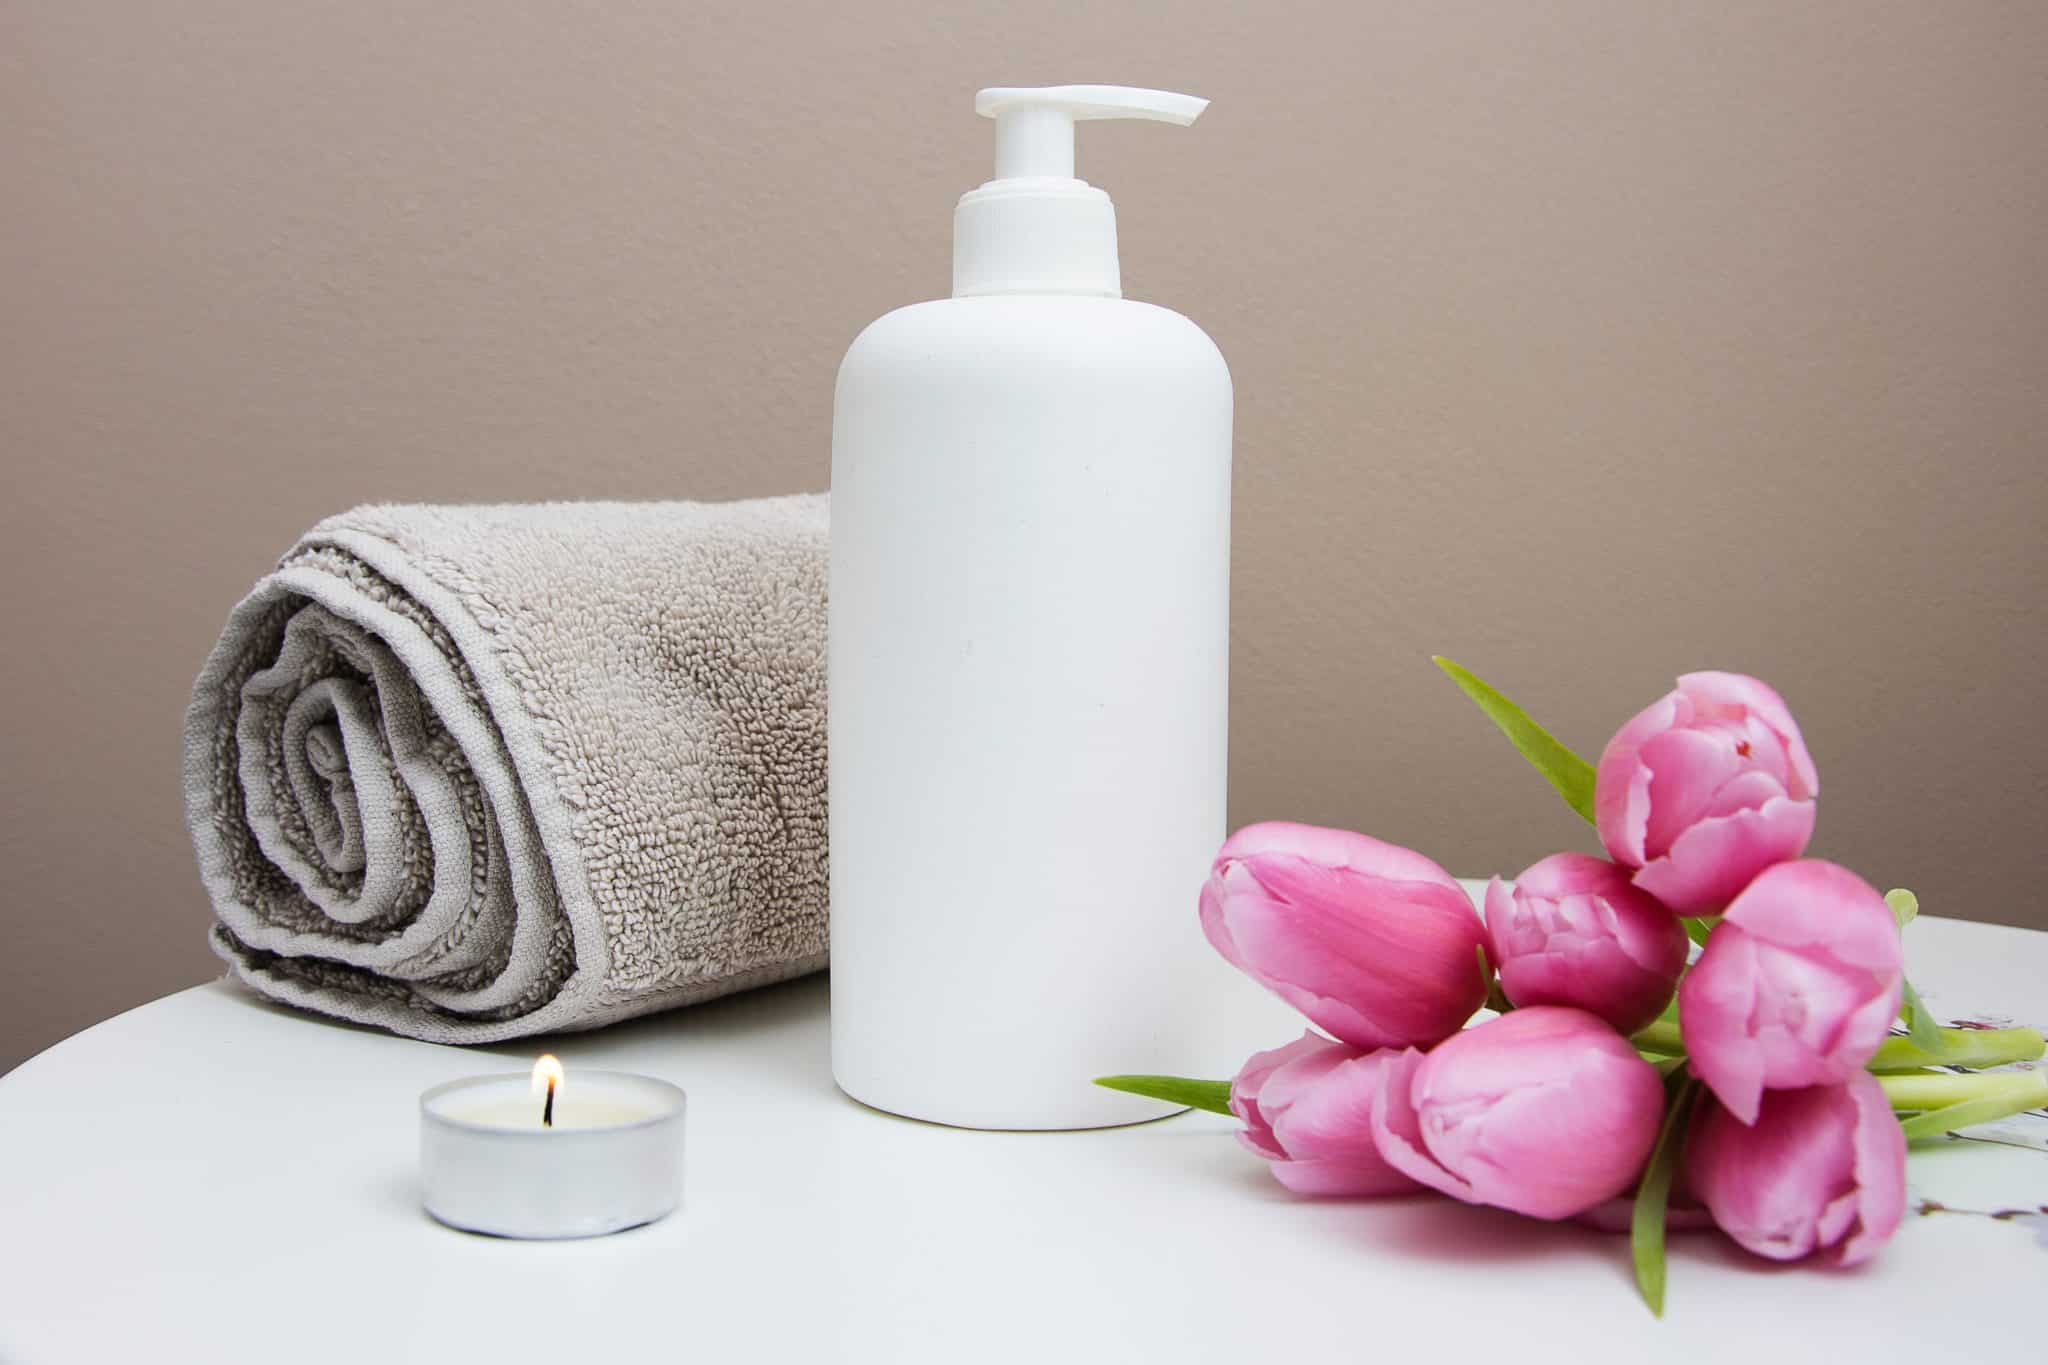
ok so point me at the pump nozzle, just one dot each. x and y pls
(1035, 127)
(1034, 228)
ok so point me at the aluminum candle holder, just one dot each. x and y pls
(545, 1157)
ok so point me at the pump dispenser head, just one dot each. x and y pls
(1034, 228)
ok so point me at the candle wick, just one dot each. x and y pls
(547, 1113)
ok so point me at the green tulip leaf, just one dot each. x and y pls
(1904, 905)
(1697, 927)
(1969, 1047)
(1213, 1096)
(1935, 1122)
(1563, 769)
(1653, 1194)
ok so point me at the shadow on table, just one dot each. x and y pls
(1431, 1228)
(788, 1005)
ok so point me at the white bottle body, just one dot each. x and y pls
(1028, 716)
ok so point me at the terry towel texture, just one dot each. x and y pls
(468, 773)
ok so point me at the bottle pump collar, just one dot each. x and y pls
(1035, 228)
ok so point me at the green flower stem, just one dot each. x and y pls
(1944, 1103)
(1926, 1090)
(1940, 1101)
(1970, 1047)
(1661, 1038)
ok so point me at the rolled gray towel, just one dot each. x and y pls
(468, 773)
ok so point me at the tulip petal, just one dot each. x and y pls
(1750, 789)
(1376, 963)
(1720, 746)
(1258, 1138)
(1880, 1167)
(1342, 1179)
(1327, 1131)
(1793, 1184)
(1836, 1218)
(1261, 1065)
(1715, 1001)
(1575, 931)
(1716, 858)
(1621, 783)
(1397, 1128)
(1301, 1075)
(1820, 905)
(1307, 1109)
(1570, 874)
(1333, 848)
(1732, 690)
(1215, 927)
(1817, 1021)
(1249, 1097)
(1546, 1111)
(1769, 756)
(1498, 907)
(1688, 768)
(1797, 987)
(1831, 956)
(1332, 1119)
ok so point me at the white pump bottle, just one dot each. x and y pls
(1029, 661)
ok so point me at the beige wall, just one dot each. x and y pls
(1584, 342)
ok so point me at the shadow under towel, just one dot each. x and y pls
(467, 773)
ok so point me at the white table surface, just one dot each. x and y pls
(212, 1178)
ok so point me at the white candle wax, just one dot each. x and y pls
(611, 1160)
(571, 1112)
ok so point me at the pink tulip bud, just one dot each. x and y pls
(1574, 931)
(1822, 1170)
(1704, 789)
(1546, 1111)
(1307, 1108)
(1798, 985)
(1375, 944)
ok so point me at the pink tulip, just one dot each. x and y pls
(1798, 985)
(1574, 931)
(1375, 944)
(1822, 1170)
(1307, 1108)
(1704, 789)
(1546, 1111)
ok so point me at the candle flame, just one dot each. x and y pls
(547, 1074)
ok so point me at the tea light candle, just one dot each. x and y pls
(538, 1157)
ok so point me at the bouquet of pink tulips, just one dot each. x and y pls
(1769, 1081)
